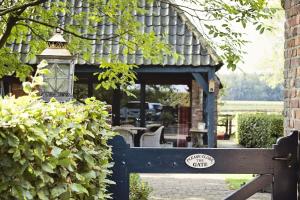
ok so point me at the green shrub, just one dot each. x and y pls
(53, 150)
(259, 130)
(139, 190)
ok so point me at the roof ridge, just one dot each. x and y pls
(196, 31)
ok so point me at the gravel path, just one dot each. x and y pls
(191, 187)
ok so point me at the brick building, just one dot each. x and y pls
(292, 65)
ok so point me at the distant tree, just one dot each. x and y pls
(250, 87)
(274, 60)
(164, 94)
(167, 95)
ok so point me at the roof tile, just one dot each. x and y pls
(162, 18)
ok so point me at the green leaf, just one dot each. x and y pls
(41, 194)
(27, 87)
(13, 140)
(56, 151)
(58, 190)
(42, 64)
(89, 159)
(44, 71)
(64, 153)
(47, 167)
(78, 188)
(90, 175)
(258, 27)
(65, 162)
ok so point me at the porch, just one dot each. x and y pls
(204, 77)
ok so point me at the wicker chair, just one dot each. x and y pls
(151, 139)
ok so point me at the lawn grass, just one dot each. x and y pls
(235, 181)
(234, 107)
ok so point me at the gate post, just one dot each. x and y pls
(285, 167)
(120, 190)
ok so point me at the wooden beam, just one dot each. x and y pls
(211, 115)
(201, 81)
(171, 69)
(164, 78)
(172, 160)
(149, 69)
(251, 188)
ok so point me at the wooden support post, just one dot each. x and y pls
(230, 125)
(90, 86)
(6, 85)
(142, 105)
(116, 107)
(211, 104)
(285, 167)
(120, 175)
(137, 137)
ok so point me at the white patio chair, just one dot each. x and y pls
(151, 139)
(126, 134)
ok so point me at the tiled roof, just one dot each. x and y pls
(165, 20)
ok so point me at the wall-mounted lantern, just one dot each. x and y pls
(59, 83)
(211, 85)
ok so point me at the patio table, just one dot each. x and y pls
(132, 129)
(137, 132)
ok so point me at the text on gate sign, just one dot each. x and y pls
(200, 161)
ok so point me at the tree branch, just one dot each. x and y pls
(11, 22)
(21, 7)
(32, 30)
(70, 32)
(9, 26)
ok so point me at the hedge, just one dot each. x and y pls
(259, 130)
(53, 150)
(139, 189)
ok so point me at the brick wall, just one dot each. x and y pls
(292, 66)
(196, 104)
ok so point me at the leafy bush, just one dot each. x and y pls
(139, 190)
(53, 150)
(259, 130)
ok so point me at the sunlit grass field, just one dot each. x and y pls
(234, 107)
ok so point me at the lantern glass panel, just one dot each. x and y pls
(58, 80)
(63, 85)
(51, 85)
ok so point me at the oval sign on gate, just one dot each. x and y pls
(200, 161)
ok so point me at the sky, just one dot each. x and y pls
(264, 51)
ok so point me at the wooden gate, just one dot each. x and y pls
(276, 166)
